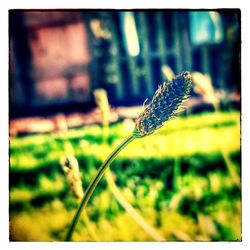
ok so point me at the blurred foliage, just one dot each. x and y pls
(177, 178)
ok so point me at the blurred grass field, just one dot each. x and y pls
(177, 179)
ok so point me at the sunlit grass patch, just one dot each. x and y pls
(176, 178)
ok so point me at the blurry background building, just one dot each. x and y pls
(58, 58)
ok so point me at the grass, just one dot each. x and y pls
(200, 203)
(182, 221)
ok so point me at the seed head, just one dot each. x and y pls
(70, 167)
(165, 102)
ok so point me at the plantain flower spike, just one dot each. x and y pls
(70, 167)
(166, 101)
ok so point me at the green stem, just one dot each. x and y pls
(94, 183)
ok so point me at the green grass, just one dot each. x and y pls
(174, 220)
(176, 178)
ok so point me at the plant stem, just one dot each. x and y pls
(229, 163)
(94, 183)
(132, 212)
